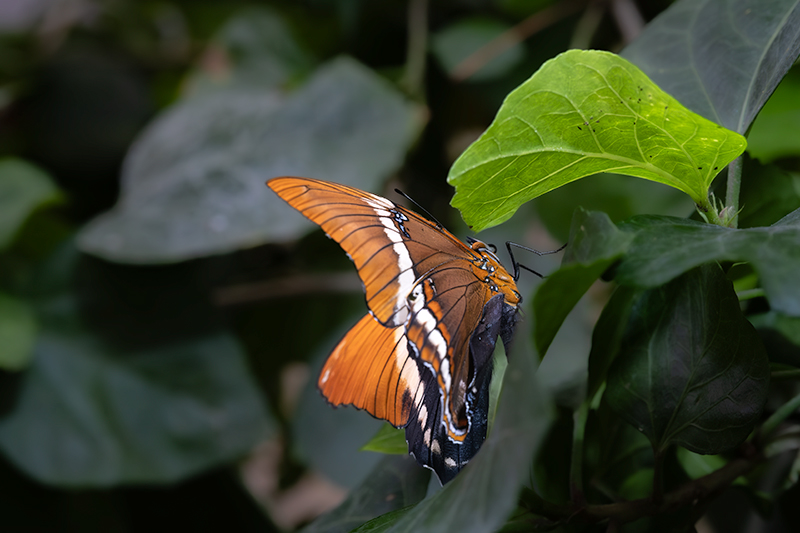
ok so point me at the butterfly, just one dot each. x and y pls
(422, 358)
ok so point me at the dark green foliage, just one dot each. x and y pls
(163, 315)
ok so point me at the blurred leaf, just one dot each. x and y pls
(638, 485)
(696, 465)
(692, 370)
(17, 333)
(193, 184)
(489, 485)
(330, 439)
(781, 336)
(582, 113)
(584, 261)
(389, 440)
(255, 47)
(90, 415)
(767, 194)
(776, 129)
(453, 44)
(23, 188)
(664, 247)
(618, 196)
(721, 59)
(394, 484)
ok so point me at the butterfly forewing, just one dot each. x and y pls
(422, 358)
(374, 232)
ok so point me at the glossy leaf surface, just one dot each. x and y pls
(721, 59)
(692, 370)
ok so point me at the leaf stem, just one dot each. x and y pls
(734, 187)
(785, 374)
(783, 412)
(417, 49)
(658, 477)
(576, 464)
(749, 294)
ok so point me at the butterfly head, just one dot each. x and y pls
(488, 267)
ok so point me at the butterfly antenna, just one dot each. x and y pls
(431, 217)
(516, 263)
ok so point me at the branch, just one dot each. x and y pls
(535, 23)
(692, 493)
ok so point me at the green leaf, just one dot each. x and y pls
(388, 439)
(393, 485)
(23, 188)
(90, 415)
(584, 261)
(484, 494)
(17, 333)
(193, 184)
(776, 129)
(582, 113)
(607, 336)
(453, 44)
(664, 247)
(767, 194)
(781, 336)
(721, 59)
(382, 523)
(696, 465)
(692, 370)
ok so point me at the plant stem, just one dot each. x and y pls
(576, 465)
(658, 477)
(785, 374)
(536, 22)
(691, 493)
(734, 186)
(417, 47)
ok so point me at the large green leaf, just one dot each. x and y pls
(582, 113)
(691, 370)
(91, 415)
(664, 247)
(17, 332)
(193, 184)
(394, 483)
(776, 130)
(23, 188)
(483, 495)
(768, 193)
(720, 58)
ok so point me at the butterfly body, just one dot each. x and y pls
(422, 357)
